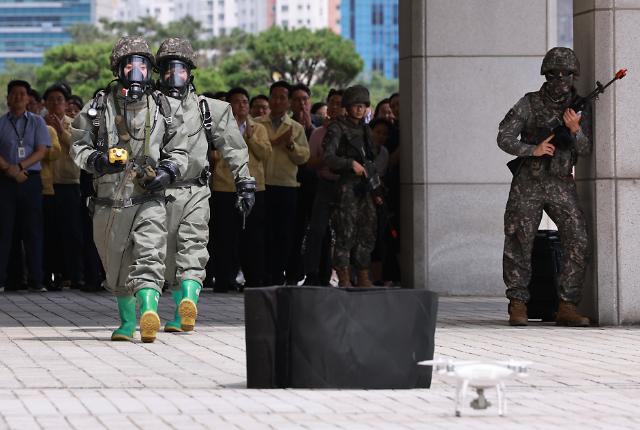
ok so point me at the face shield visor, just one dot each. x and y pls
(135, 75)
(175, 76)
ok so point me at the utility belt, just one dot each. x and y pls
(201, 180)
(123, 203)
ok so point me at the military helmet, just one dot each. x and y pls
(129, 45)
(175, 48)
(356, 94)
(560, 58)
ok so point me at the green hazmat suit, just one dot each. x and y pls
(131, 233)
(188, 207)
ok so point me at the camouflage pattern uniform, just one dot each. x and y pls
(355, 215)
(543, 183)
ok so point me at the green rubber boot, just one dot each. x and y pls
(188, 308)
(149, 320)
(127, 312)
(174, 326)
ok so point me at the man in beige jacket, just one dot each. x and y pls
(229, 236)
(290, 149)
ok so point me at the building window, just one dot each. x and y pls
(377, 14)
(378, 65)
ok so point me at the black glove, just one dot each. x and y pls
(101, 165)
(166, 173)
(246, 192)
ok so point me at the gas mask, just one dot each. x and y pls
(559, 83)
(135, 76)
(175, 77)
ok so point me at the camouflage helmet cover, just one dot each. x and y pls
(560, 58)
(356, 94)
(175, 48)
(129, 45)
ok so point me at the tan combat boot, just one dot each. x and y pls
(344, 277)
(569, 316)
(518, 313)
(363, 278)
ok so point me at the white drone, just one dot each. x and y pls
(479, 375)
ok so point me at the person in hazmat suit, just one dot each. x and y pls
(209, 125)
(128, 138)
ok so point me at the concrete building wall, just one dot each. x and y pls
(606, 35)
(463, 64)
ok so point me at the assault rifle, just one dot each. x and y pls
(562, 136)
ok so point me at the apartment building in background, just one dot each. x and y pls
(29, 27)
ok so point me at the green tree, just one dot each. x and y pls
(379, 86)
(241, 70)
(13, 70)
(300, 55)
(84, 67)
(208, 79)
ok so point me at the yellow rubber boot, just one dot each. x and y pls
(188, 308)
(149, 320)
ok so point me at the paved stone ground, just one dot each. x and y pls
(58, 370)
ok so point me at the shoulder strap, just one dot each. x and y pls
(96, 114)
(163, 106)
(205, 113)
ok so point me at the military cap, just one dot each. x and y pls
(356, 94)
(129, 45)
(560, 58)
(175, 48)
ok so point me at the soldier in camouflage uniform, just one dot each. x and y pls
(188, 198)
(545, 182)
(129, 216)
(347, 148)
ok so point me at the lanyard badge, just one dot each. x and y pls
(21, 151)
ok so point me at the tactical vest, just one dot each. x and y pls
(353, 144)
(561, 164)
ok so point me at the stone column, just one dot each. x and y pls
(606, 38)
(463, 65)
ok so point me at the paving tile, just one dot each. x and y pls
(58, 369)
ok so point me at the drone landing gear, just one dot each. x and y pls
(481, 401)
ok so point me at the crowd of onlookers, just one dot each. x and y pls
(287, 238)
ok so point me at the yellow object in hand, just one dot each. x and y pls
(118, 156)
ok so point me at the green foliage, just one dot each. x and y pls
(242, 70)
(149, 27)
(379, 87)
(300, 55)
(227, 44)
(12, 71)
(84, 67)
(320, 59)
(208, 79)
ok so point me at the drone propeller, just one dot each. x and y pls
(445, 366)
(518, 366)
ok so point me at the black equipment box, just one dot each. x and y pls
(546, 260)
(319, 337)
